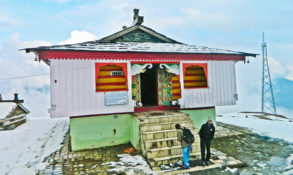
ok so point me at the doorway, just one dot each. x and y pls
(149, 86)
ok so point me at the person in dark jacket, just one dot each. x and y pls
(206, 134)
(185, 146)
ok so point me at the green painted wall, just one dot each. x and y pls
(200, 116)
(101, 131)
(134, 132)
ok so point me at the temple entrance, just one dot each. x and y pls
(149, 87)
(155, 86)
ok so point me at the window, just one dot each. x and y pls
(176, 87)
(111, 77)
(195, 76)
(116, 73)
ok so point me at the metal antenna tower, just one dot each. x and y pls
(268, 100)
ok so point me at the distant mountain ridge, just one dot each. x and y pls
(283, 92)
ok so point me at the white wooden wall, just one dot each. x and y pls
(221, 90)
(75, 91)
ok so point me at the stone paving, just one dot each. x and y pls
(92, 162)
(82, 162)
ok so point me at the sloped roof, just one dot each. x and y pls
(7, 107)
(142, 47)
(140, 28)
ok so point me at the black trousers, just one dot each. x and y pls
(205, 144)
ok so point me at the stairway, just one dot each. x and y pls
(159, 142)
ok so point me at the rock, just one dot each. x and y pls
(122, 155)
(138, 171)
(277, 161)
(109, 163)
(164, 167)
(132, 164)
(180, 163)
(120, 163)
(133, 160)
(93, 167)
(129, 172)
(112, 166)
(119, 170)
(232, 170)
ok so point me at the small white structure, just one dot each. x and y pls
(12, 114)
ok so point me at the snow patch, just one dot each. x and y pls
(127, 163)
(273, 127)
(232, 170)
(289, 168)
(23, 149)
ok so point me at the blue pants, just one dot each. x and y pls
(186, 151)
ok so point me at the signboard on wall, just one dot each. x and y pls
(116, 98)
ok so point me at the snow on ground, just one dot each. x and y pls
(289, 169)
(276, 127)
(23, 149)
(130, 164)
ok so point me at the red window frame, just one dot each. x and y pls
(205, 68)
(124, 67)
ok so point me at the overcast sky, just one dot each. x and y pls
(227, 24)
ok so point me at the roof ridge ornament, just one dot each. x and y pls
(137, 20)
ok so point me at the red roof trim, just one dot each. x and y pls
(137, 57)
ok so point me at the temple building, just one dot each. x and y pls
(111, 87)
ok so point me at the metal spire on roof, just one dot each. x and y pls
(268, 100)
(137, 20)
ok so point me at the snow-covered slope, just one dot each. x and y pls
(268, 125)
(264, 125)
(22, 150)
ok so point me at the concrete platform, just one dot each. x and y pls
(221, 161)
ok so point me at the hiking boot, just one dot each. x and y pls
(208, 162)
(184, 167)
(203, 163)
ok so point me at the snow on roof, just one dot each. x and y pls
(140, 47)
(6, 108)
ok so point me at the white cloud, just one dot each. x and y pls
(79, 36)
(276, 68)
(15, 63)
(280, 70)
(249, 79)
(289, 76)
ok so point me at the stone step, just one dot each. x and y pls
(169, 151)
(155, 135)
(165, 126)
(156, 162)
(165, 119)
(167, 142)
(160, 143)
